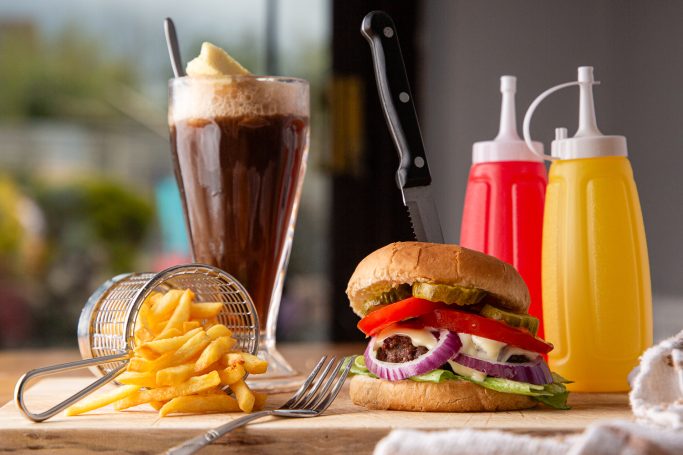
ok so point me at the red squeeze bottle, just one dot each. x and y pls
(503, 214)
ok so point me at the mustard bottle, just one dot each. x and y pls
(597, 301)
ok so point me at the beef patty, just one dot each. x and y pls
(399, 349)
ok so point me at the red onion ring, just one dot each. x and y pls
(534, 372)
(447, 347)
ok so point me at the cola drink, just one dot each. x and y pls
(239, 146)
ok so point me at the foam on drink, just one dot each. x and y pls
(234, 96)
(218, 86)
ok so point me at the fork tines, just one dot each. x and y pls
(319, 390)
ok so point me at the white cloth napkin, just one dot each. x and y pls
(657, 391)
(656, 400)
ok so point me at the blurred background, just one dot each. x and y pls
(86, 187)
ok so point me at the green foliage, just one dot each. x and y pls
(96, 215)
(68, 76)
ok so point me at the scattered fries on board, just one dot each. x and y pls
(183, 359)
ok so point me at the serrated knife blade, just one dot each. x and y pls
(423, 214)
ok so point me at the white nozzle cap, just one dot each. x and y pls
(560, 133)
(588, 142)
(507, 146)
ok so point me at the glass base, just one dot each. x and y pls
(280, 377)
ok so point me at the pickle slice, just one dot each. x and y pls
(395, 294)
(523, 321)
(448, 294)
(392, 295)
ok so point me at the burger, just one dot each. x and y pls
(449, 331)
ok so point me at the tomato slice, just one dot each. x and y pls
(459, 321)
(411, 307)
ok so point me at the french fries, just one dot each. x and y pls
(205, 310)
(231, 374)
(181, 314)
(214, 351)
(143, 335)
(142, 365)
(165, 306)
(245, 397)
(196, 404)
(259, 400)
(190, 325)
(183, 362)
(170, 344)
(253, 364)
(146, 379)
(192, 347)
(175, 375)
(217, 331)
(156, 404)
(103, 399)
(191, 386)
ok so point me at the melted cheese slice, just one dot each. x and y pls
(513, 350)
(419, 337)
(480, 347)
(467, 372)
(488, 349)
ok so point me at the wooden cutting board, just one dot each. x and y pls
(344, 428)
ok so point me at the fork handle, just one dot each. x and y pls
(194, 444)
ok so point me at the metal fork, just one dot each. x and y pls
(311, 400)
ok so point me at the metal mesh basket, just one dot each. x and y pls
(107, 323)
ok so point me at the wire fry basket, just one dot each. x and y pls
(107, 323)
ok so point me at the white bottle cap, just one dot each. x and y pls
(507, 146)
(588, 142)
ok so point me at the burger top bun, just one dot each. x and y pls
(410, 262)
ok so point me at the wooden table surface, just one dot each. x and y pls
(14, 363)
(345, 428)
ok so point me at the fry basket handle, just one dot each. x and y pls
(29, 376)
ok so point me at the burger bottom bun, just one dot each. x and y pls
(447, 396)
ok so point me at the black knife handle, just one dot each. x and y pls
(397, 99)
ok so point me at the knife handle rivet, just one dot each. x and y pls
(404, 97)
(419, 161)
(388, 32)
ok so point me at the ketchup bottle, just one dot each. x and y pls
(503, 214)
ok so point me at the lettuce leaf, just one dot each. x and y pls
(557, 400)
(553, 395)
(509, 386)
(436, 376)
(557, 393)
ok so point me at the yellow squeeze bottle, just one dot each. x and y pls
(597, 301)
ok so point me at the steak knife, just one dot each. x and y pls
(412, 177)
